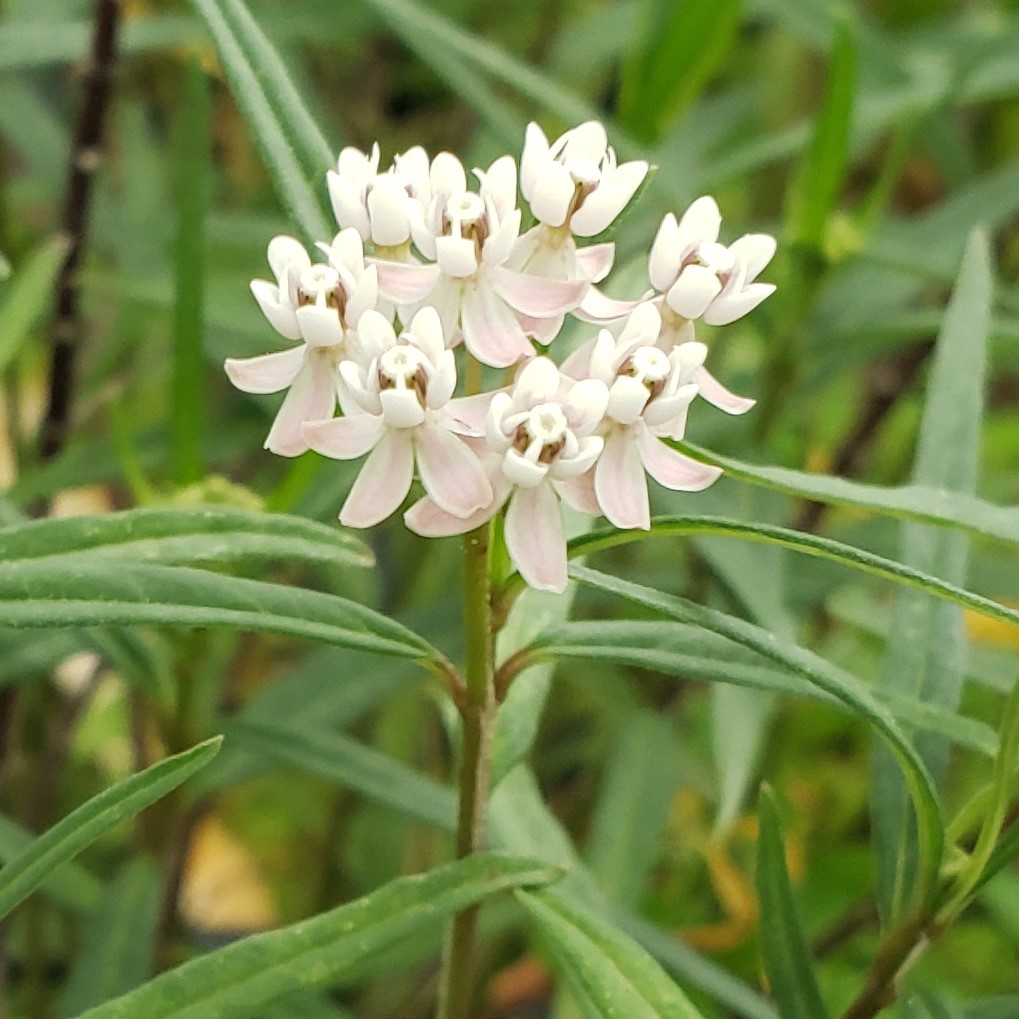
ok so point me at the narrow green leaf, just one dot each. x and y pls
(237, 980)
(187, 402)
(926, 660)
(909, 502)
(845, 687)
(808, 544)
(70, 836)
(27, 296)
(815, 187)
(277, 149)
(1005, 1007)
(207, 534)
(783, 942)
(619, 977)
(118, 941)
(81, 592)
(672, 60)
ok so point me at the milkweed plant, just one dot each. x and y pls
(506, 402)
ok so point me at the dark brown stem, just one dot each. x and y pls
(85, 159)
(860, 917)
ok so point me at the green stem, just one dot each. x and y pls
(478, 712)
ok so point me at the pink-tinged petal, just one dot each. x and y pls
(499, 246)
(580, 364)
(518, 470)
(281, 316)
(542, 330)
(718, 396)
(268, 373)
(695, 289)
(348, 207)
(383, 483)
(608, 200)
(701, 222)
(619, 481)
(430, 520)
(599, 309)
(671, 468)
(320, 326)
(536, 296)
(452, 475)
(666, 256)
(387, 206)
(595, 261)
(490, 329)
(364, 297)
(447, 175)
(534, 159)
(728, 308)
(535, 538)
(467, 414)
(344, 438)
(551, 194)
(312, 396)
(405, 283)
(456, 256)
(755, 251)
(578, 493)
(286, 251)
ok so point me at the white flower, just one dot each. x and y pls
(380, 206)
(700, 278)
(321, 305)
(542, 443)
(403, 399)
(470, 236)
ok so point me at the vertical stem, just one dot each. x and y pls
(475, 765)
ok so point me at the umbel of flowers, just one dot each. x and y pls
(425, 261)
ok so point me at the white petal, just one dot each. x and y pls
(320, 327)
(346, 253)
(442, 383)
(286, 251)
(280, 315)
(695, 289)
(755, 251)
(401, 408)
(588, 451)
(456, 256)
(619, 481)
(716, 394)
(595, 261)
(599, 309)
(608, 200)
(425, 332)
(375, 335)
(728, 308)
(312, 396)
(266, 374)
(518, 470)
(551, 194)
(452, 475)
(672, 469)
(499, 183)
(447, 175)
(344, 438)
(701, 222)
(666, 256)
(537, 296)
(383, 483)
(348, 208)
(499, 245)
(471, 412)
(538, 382)
(585, 141)
(490, 329)
(535, 538)
(627, 399)
(388, 209)
(534, 159)
(578, 493)
(585, 406)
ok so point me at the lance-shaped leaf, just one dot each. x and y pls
(236, 981)
(68, 837)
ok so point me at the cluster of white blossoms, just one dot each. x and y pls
(424, 261)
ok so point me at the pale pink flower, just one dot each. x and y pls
(320, 305)
(649, 395)
(470, 236)
(541, 442)
(403, 415)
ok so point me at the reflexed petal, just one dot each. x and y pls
(535, 538)
(755, 251)
(401, 408)
(535, 296)
(667, 414)
(733, 306)
(470, 412)
(383, 483)
(452, 475)
(578, 493)
(490, 329)
(608, 200)
(281, 316)
(542, 330)
(671, 468)
(388, 208)
(716, 394)
(595, 261)
(499, 246)
(320, 327)
(534, 159)
(619, 481)
(456, 256)
(447, 175)
(599, 309)
(518, 470)
(284, 251)
(344, 438)
(312, 396)
(429, 520)
(405, 283)
(701, 222)
(551, 195)
(268, 373)
(695, 289)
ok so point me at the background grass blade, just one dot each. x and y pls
(236, 981)
(68, 837)
(783, 943)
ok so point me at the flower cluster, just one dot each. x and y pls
(424, 261)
